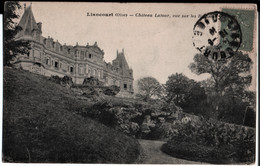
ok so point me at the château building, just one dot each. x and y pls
(48, 57)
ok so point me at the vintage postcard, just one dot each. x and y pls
(130, 83)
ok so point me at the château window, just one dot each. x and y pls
(28, 53)
(85, 55)
(71, 69)
(81, 54)
(80, 70)
(90, 56)
(76, 53)
(94, 72)
(98, 73)
(68, 51)
(47, 61)
(53, 44)
(125, 86)
(44, 41)
(86, 68)
(56, 64)
(61, 48)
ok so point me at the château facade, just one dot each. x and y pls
(48, 57)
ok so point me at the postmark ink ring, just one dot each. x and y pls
(217, 35)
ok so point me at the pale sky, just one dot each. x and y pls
(156, 46)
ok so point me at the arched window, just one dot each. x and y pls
(89, 56)
(68, 50)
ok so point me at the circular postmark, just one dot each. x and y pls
(217, 35)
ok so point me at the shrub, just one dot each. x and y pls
(162, 131)
(66, 80)
(55, 79)
(195, 152)
(111, 90)
(92, 81)
(219, 139)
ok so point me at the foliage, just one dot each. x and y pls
(213, 142)
(250, 117)
(229, 79)
(92, 81)
(162, 131)
(226, 73)
(66, 80)
(42, 124)
(12, 47)
(149, 87)
(194, 152)
(111, 90)
(184, 92)
(226, 89)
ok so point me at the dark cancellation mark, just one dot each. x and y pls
(217, 35)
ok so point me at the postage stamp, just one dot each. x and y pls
(246, 20)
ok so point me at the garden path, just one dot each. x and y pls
(152, 154)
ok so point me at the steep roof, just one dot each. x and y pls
(27, 23)
(122, 60)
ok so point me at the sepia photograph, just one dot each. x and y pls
(129, 83)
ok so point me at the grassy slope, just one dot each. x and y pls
(41, 125)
